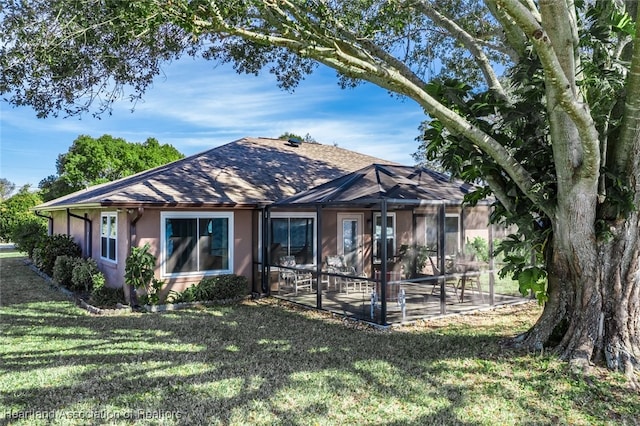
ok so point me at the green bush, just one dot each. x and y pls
(152, 297)
(52, 247)
(185, 296)
(478, 247)
(139, 268)
(28, 235)
(221, 287)
(106, 297)
(36, 257)
(63, 270)
(86, 276)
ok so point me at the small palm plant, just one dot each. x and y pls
(139, 268)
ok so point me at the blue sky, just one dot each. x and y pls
(195, 106)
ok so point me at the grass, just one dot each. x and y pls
(269, 363)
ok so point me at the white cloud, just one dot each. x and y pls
(195, 108)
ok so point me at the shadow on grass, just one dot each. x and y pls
(257, 363)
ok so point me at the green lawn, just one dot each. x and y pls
(268, 363)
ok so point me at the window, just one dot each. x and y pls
(194, 243)
(293, 235)
(108, 236)
(377, 237)
(431, 233)
(452, 234)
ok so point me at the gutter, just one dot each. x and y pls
(50, 218)
(87, 235)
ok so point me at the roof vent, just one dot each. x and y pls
(294, 142)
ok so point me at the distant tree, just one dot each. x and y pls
(92, 161)
(14, 211)
(6, 188)
(306, 138)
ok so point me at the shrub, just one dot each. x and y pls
(139, 268)
(106, 297)
(63, 270)
(86, 276)
(478, 247)
(28, 235)
(185, 296)
(221, 287)
(36, 257)
(152, 297)
(52, 247)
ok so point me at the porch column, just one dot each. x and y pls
(383, 262)
(491, 264)
(441, 254)
(319, 257)
(266, 253)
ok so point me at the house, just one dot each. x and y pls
(226, 209)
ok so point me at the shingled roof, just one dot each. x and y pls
(247, 172)
(377, 182)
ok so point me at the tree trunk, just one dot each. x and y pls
(593, 312)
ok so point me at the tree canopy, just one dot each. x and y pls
(306, 138)
(539, 99)
(91, 161)
(6, 188)
(14, 211)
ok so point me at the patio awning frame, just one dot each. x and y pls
(329, 197)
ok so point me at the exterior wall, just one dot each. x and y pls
(476, 223)
(245, 249)
(78, 229)
(147, 231)
(329, 233)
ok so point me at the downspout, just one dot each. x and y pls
(50, 219)
(87, 235)
(133, 236)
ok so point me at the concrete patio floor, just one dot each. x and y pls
(422, 300)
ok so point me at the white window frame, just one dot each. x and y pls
(376, 256)
(300, 215)
(195, 215)
(109, 215)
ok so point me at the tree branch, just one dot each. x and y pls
(469, 42)
(349, 56)
(629, 139)
(514, 37)
(563, 87)
(500, 192)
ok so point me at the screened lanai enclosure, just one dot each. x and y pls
(325, 247)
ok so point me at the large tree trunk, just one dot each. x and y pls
(593, 313)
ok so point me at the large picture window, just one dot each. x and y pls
(377, 237)
(293, 235)
(195, 243)
(108, 236)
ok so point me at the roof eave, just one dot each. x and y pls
(65, 206)
(133, 205)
